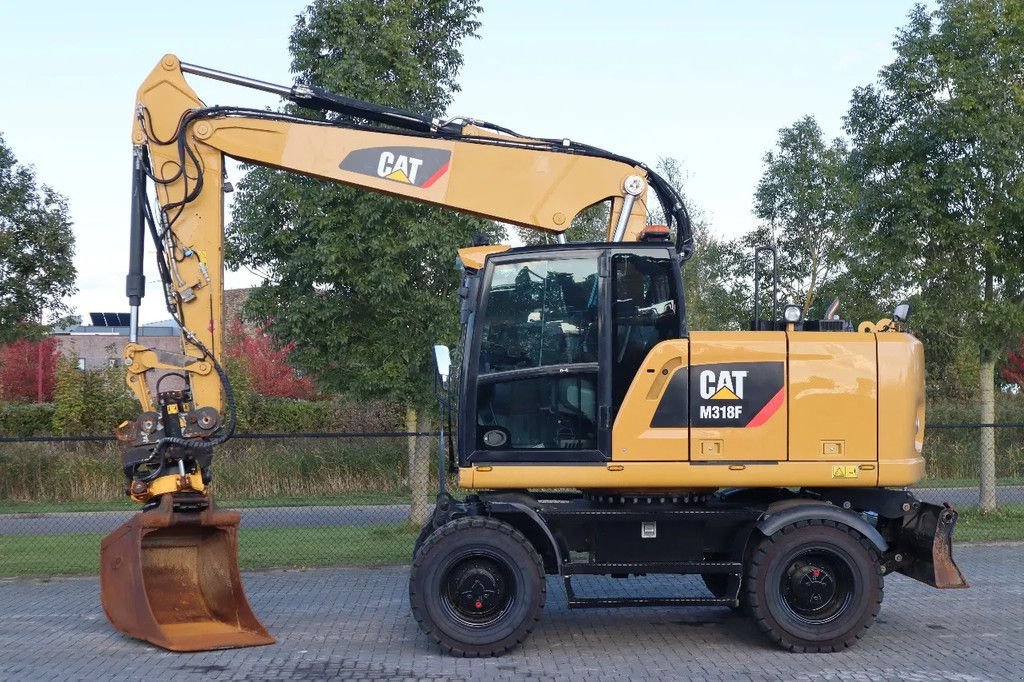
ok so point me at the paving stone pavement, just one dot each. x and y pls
(354, 623)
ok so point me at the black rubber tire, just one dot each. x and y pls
(425, 532)
(466, 539)
(855, 575)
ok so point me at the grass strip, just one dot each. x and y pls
(1003, 525)
(72, 553)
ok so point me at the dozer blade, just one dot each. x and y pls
(927, 537)
(171, 579)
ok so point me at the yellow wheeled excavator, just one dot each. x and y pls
(599, 435)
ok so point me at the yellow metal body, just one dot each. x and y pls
(164, 485)
(849, 409)
(850, 413)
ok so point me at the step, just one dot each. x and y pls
(678, 567)
(621, 602)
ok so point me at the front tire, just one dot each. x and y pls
(477, 587)
(814, 586)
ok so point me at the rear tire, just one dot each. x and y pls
(477, 587)
(814, 586)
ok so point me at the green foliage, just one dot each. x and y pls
(716, 292)
(88, 402)
(589, 225)
(244, 469)
(36, 249)
(941, 177)
(264, 414)
(364, 284)
(804, 200)
(953, 453)
(25, 419)
(285, 415)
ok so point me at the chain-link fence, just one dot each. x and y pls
(321, 499)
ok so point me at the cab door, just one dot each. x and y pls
(536, 393)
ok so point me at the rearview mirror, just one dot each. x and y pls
(902, 313)
(442, 363)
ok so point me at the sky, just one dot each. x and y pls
(708, 83)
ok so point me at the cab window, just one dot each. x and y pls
(540, 313)
(645, 312)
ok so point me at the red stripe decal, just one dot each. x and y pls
(436, 176)
(768, 410)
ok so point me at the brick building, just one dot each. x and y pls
(101, 344)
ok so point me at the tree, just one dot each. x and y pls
(362, 283)
(36, 248)
(937, 157)
(804, 201)
(589, 225)
(715, 289)
(27, 370)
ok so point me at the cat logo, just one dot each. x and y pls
(417, 166)
(735, 395)
(723, 385)
(401, 167)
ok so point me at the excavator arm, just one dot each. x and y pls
(180, 146)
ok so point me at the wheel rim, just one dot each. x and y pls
(478, 589)
(817, 585)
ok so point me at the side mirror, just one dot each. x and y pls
(443, 364)
(902, 313)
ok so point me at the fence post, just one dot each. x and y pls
(419, 468)
(987, 442)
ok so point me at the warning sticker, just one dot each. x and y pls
(845, 471)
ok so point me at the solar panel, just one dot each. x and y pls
(110, 319)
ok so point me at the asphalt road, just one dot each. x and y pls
(361, 515)
(354, 623)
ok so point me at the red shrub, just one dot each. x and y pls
(22, 364)
(1013, 366)
(268, 367)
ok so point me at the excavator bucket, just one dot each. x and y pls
(171, 578)
(927, 538)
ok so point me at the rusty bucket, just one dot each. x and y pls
(171, 578)
(927, 537)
